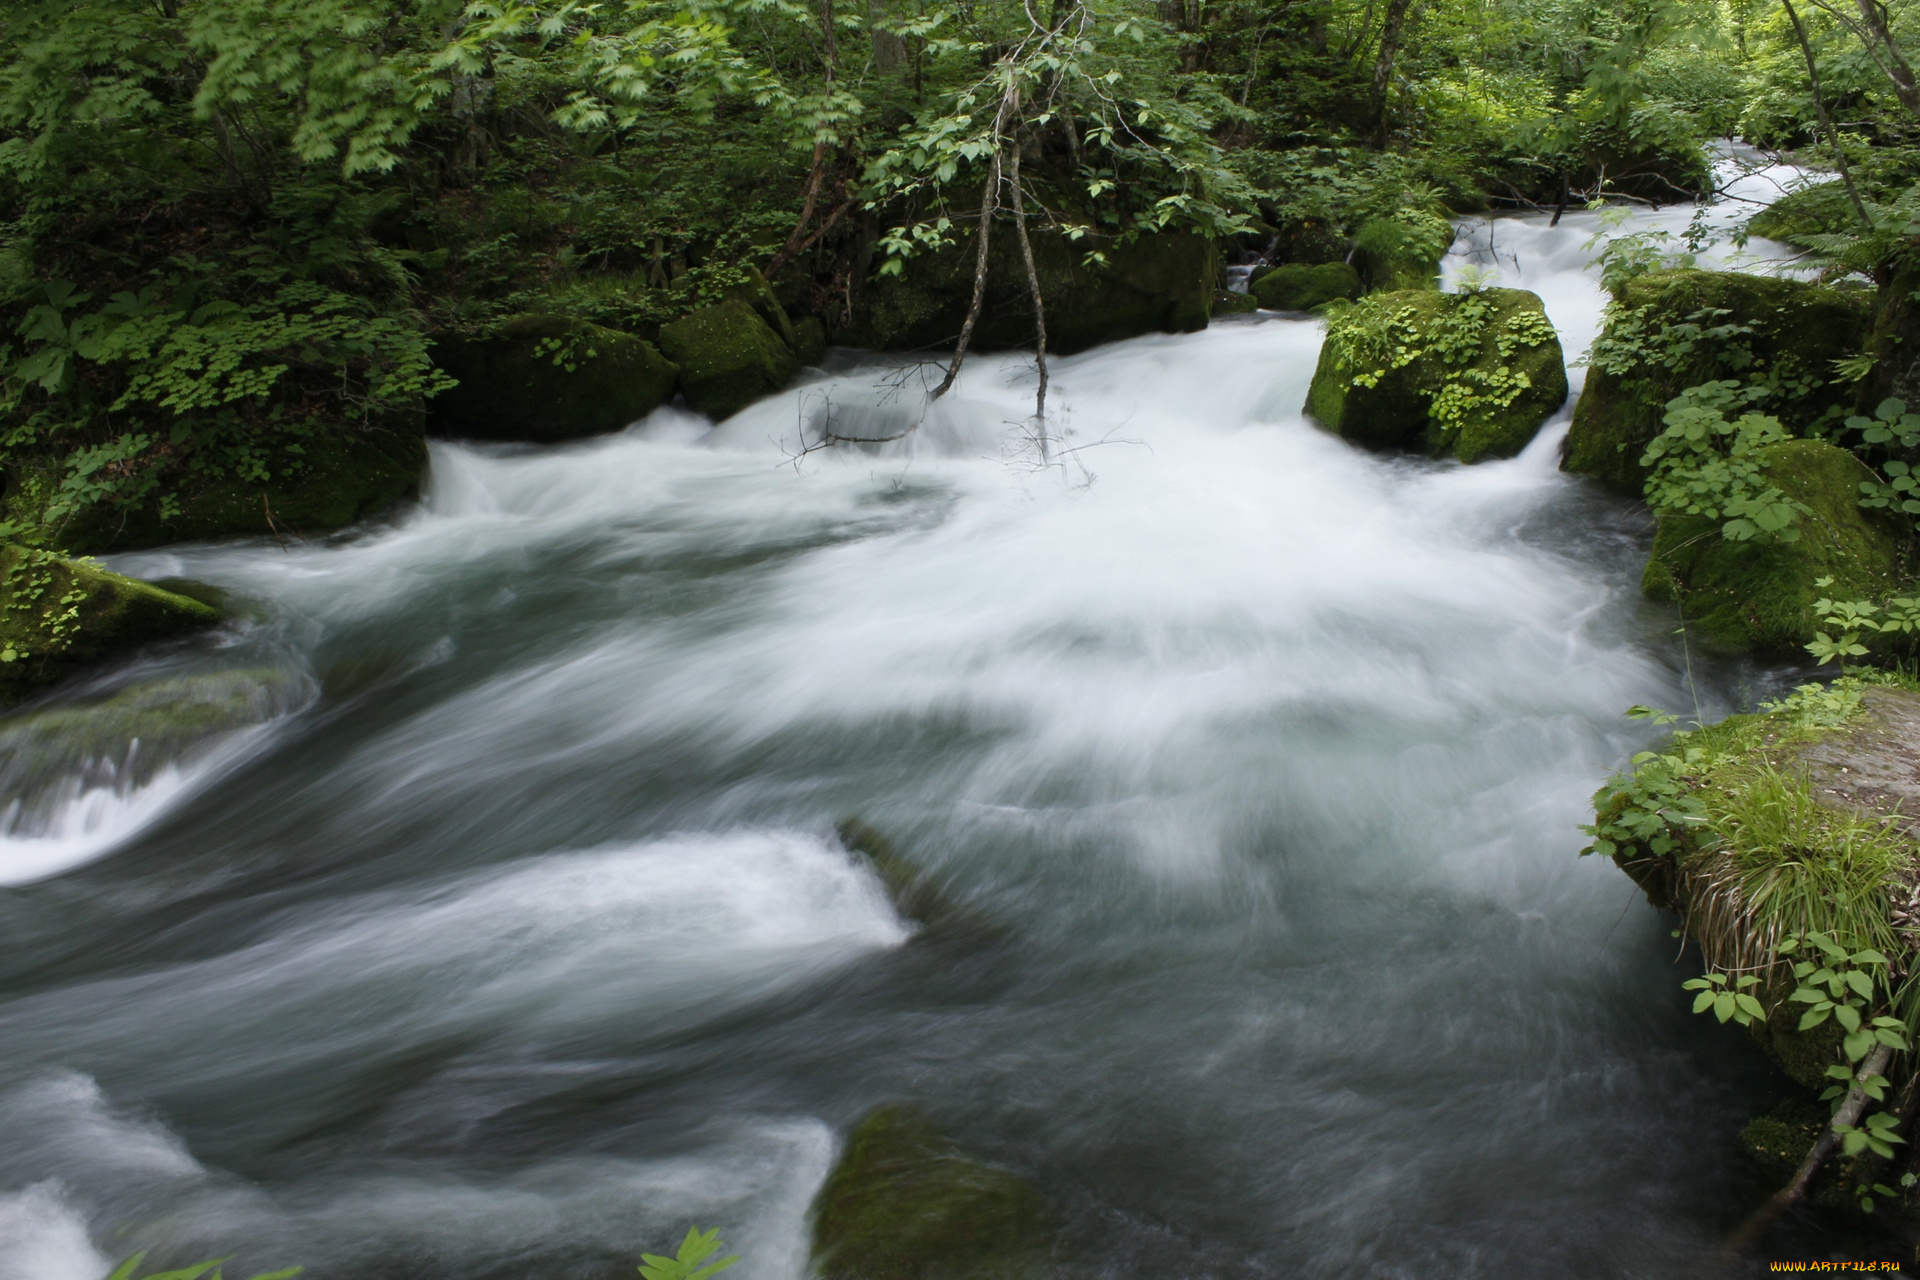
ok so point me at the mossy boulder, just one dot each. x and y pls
(1670, 330)
(1821, 209)
(321, 478)
(905, 1204)
(1740, 596)
(1228, 303)
(1402, 252)
(1162, 283)
(60, 616)
(1471, 376)
(729, 357)
(167, 718)
(1299, 287)
(544, 379)
(809, 340)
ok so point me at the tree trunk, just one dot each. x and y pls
(1896, 66)
(1390, 31)
(1820, 111)
(989, 205)
(1039, 304)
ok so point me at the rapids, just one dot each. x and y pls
(1256, 761)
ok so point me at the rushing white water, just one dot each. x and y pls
(1256, 761)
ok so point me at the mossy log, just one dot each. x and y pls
(1299, 287)
(545, 379)
(1401, 371)
(1747, 596)
(905, 1204)
(60, 616)
(1794, 333)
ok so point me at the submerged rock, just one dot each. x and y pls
(1740, 596)
(729, 357)
(916, 895)
(58, 616)
(1470, 375)
(545, 379)
(1162, 283)
(1299, 287)
(903, 1203)
(1671, 330)
(135, 731)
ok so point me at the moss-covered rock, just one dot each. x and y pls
(1402, 252)
(1228, 303)
(904, 1204)
(545, 379)
(809, 340)
(167, 717)
(320, 479)
(1161, 283)
(1821, 209)
(729, 357)
(1299, 287)
(1671, 330)
(1471, 376)
(1740, 596)
(59, 616)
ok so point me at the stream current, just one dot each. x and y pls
(1252, 763)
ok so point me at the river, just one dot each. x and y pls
(516, 937)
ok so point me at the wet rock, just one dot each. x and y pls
(1740, 596)
(1402, 252)
(1821, 209)
(61, 616)
(545, 379)
(1234, 304)
(1162, 283)
(729, 357)
(916, 895)
(1299, 287)
(809, 340)
(167, 718)
(904, 1203)
(1471, 376)
(1661, 332)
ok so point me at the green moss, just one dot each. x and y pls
(1776, 1143)
(1299, 287)
(1161, 283)
(60, 616)
(547, 378)
(1797, 331)
(728, 358)
(166, 716)
(904, 1204)
(1402, 252)
(809, 340)
(1821, 209)
(1417, 370)
(320, 481)
(1227, 303)
(1741, 596)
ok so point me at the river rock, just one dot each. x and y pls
(61, 616)
(1158, 283)
(1791, 332)
(1740, 596)
(1300, 287)
(1821, 209)
(729, 357)
(168, 717)
(545, 379)
(324, 478)
(904, 1203)
(809, 340)
(1466, 375)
